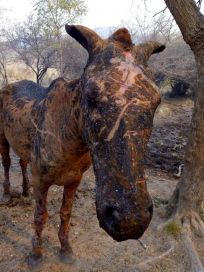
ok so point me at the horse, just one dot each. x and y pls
(103, 118)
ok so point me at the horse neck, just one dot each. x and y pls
(68, 113)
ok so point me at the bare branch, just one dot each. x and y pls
(161, 11)
(33, 46)
(199, 2)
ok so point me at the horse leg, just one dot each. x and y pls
(25, 184)
(40, 218)
(66, 254)
(6, 161)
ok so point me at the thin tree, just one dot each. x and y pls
(3, 49)
(54, 14)
(188, 197)
(186, 204)
(32, 46)
(3, 63)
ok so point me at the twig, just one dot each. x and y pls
(155, 259)
(161, 11)
(142, 244)
(199, 2)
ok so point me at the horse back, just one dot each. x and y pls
(27, 108)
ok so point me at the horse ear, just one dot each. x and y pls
(85, 36)
(122, 36)
(145, 50)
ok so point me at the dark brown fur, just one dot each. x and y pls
(105, 118)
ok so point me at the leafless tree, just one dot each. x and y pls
(74, 58)
(143, 28)
(32, 46)
(53, 14)
(3, 50)
(3, 63)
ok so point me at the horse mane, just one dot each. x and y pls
(71, 84)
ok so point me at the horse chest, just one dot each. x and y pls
(65, 171)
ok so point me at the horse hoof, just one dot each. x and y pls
(33, 260)
(67, 257)
(15, 194)
(26, 200)
(6, 200)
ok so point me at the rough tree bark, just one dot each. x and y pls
(189, 193)
(186, 202)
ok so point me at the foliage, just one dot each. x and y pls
(54, 14)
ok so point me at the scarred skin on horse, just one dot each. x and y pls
(104, 118)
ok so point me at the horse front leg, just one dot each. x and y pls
(40, 218)
(25, 184)
(6, 162)
(66, 254)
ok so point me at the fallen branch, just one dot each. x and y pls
(156, 259)
(142, 244)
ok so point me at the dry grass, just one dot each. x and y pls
(19, 71)
(172, 228)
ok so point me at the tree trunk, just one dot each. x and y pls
(37, 78)
(190, 190)
(189, 193)
(60, 52)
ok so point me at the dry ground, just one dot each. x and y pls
(94, 249)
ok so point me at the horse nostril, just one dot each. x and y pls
(116, 216)
(112, 217)
(111, 212)
(150, 209)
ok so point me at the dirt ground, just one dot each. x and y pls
(94, 249)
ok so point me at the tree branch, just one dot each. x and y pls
(189, 19)
(161, 11)
(199, 2)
